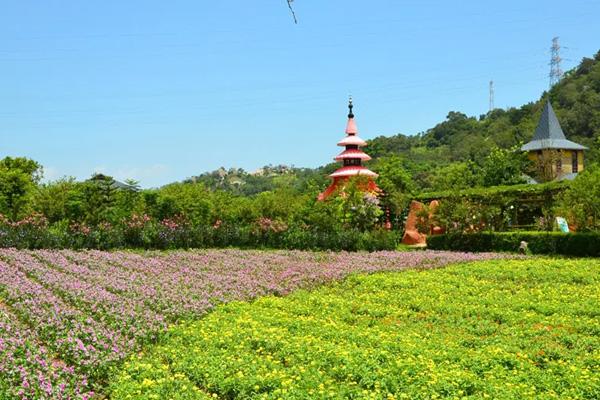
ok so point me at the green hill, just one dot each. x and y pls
(460, 138)
(456, 153)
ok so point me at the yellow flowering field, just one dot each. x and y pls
(497, 329)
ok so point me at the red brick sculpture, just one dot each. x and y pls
(411, 233)
(412, 236)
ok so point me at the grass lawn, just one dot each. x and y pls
(498, 329)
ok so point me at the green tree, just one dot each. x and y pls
(322, 216)
(99, 193)
(60, 200)
(25, 165)
(191, 200)
(18, 178)
(504, 167)
(580, 203)
(393, 177)
(128, 199)
(281, 204)
(396, 183)
(460, 175)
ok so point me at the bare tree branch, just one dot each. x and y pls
(289, 3)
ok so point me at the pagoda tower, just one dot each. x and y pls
(351, 158)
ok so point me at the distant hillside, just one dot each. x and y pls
(576, 100)
(267, 178)
(457, 146)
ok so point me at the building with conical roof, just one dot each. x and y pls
(551, 151)
(351, 158)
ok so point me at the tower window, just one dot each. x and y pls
(351, 162)
(574, 162)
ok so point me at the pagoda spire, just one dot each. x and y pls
(350, 107)
(351, 125)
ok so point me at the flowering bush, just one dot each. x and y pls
(356, 209)
(139, 230)
(30, 232)
(463, 215)
(143, 231)
(174, 233)
(268, 225)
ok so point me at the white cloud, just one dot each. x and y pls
(147, 175)
(51, 174)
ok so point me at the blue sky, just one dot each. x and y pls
(162, 90)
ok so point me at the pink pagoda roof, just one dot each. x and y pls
(353, 171)
(351, 126)
(352, 153)
(352, 140)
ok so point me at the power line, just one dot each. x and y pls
(289, 3)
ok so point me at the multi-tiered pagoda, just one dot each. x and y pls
(351, 158)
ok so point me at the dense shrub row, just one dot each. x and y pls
(145, 233)
(513, 191)
(572, 244)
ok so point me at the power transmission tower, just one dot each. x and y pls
(556, 72)
(492, 96)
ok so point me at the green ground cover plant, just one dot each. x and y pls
(498, 329)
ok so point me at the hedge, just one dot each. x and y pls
(153, 236)
(569, 244)
(520, 191)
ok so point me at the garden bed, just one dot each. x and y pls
(68, 317)
(492, 329)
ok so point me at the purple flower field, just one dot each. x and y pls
(67, 317)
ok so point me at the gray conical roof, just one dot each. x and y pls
(548, 127)
(549, 134)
